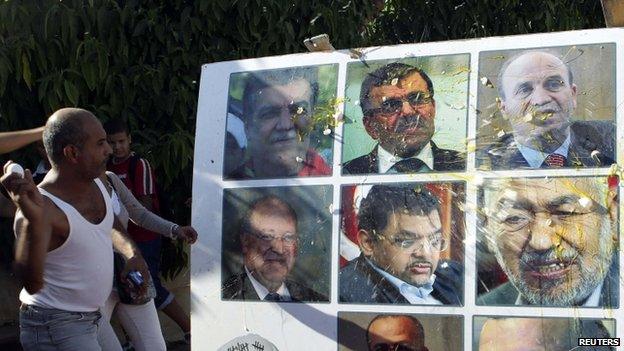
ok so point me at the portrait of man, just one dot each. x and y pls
(401, 239)
(537, 97)
(395, 332)
(277, 110)
(269, 239)
(399, 113)
(359, 331)
(555, 240)
(552, 334)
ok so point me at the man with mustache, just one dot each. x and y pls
(538, 97)
(399, 112)
(277, 110)
(269, 241)
(400, 239)
(555, 239)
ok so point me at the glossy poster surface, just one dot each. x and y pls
(443, 196)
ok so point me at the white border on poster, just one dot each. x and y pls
(215, 322)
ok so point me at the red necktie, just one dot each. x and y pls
(555, 160)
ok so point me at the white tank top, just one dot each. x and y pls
(78, 275)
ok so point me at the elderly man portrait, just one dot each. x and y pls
(538, 98)
(277, 109)
(400, 238)
(548, 334)
(555, 239)
(399, 112)
(395, 332)
(269, 240)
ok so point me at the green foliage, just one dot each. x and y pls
(141, 60)
(409, 21)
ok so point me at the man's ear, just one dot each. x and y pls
(366, 241)
(370, 124)
(129, 138)
(244, 240)
(71, 153)
(574, 92)
(247, 127)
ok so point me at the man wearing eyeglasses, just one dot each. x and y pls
(400, 239)
(538, 97)
(555, 239)
(277, 111)
(398, 332)
(399, 112)
(269, 245)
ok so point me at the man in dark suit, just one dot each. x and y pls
(400, 237)
(556, 241)
(399, 112)
(269, 244)
(538, 97)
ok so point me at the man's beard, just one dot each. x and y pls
(589, 277)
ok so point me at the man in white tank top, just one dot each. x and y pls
(63, 252)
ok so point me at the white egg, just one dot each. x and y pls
(15, 168)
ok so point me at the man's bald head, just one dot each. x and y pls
(64, 127)
(531, 55)
(538, 99)
(388, 332)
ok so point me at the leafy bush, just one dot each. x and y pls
(141, 60)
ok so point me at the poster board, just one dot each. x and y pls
(312, 145)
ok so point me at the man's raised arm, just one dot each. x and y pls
(11, 141)
(32, 228)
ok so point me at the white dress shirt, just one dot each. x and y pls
(385, 159)
(263, 292)
(535, 158)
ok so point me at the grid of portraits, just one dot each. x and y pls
(428, 202)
